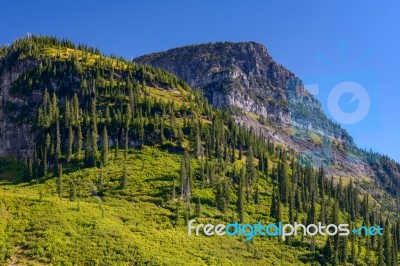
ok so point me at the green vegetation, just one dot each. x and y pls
(125, 155)
(139, 223)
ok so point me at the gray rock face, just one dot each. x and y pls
(16, 137)
(245, 75)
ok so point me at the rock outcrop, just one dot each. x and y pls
(245, 75)
(16, 136)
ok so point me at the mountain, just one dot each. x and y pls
(264, 95)
(245, 75)
(105, 161)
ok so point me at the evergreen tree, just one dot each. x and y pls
(70, 143)
(183, 174)
(79, 143)
(380, 252)
(126, 148)
(94, 135)
(241, 195)
(353, 254)
(57, 151)
(387, 252)
(198, 208)
(89, 154)
(278, 217)
(104, 148)
(343, 250)
(335, 220)
(44, 164)
(312, 219)
(283, 178)
(273, 210)
(327, 250)
(72, 193)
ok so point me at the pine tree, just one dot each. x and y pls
(108, 116)
(283, 178)
(335, 220)
(70, 143)
(250, 166)
(297, 201)
(343, 250)
(365, 208)
(273, 211)
(198, 148)
(88, 150)
(353, 255)
(312, 219)
(30, 170)
(222, 195)
(202, 179)
(322, 213)
(80, 139)
(387, 252)
(75, 108)
(241, 195)
(380, 252)
(183, 174)
(172, 124)
(94, 135)
(57, 151)
(394, 258)
(44, 164)
(198, 208)
(126, 144)
(291, 207)
(189, 180)
(104, 148)
(162, 128)
(327, 250)
(278, 217)
(72, 193)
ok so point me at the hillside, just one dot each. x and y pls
(104, 162)
(266, 96)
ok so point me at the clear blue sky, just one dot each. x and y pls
(321, 42)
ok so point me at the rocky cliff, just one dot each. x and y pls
(16, 135)
(245, 75)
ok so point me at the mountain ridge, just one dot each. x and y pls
(125, 154)
(248, 63)
(266, 96)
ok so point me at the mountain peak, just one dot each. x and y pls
(261, 93)
(243, 74)
(251, 58)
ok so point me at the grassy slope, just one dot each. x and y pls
(123, 226)
(137, 224)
